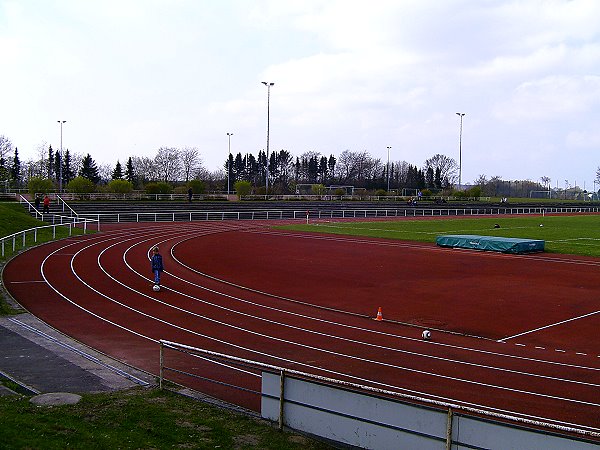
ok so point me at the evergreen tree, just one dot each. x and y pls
(118, 172)
(57, 165)
(438, 178)
(89, 169)
(129, 172)
(15, 171)
(50, 168)
(430, 178)
(331, 166)
(68, 173)
(237, 170)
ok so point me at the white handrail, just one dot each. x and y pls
(60, 200)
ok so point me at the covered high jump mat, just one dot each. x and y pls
(491, 243)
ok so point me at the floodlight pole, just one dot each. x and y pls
(60, 170)
(229, 160)
(461, 115)
(268, 85)
(388, 169)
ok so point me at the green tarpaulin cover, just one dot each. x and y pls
(491, 243)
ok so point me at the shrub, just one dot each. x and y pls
(317, 189)
(158, 188)
(242, 188)
(475, 192)
(380, 193)
(39, 184)
(198, 186)
(120, 186)
(81, 185)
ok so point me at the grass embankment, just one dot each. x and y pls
(15, 218)
(578, 235)
(134, 419)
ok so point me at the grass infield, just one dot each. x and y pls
(577, 235)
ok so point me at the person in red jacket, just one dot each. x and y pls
(46, 204)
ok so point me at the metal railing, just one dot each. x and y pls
(21, 236)
(292, 214)
(306, 402)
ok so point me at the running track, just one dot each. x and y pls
(512, 334)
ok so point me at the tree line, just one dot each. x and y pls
(179, 166)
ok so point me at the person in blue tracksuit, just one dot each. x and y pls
(157, 265)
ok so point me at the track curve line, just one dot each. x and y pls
(299, 300)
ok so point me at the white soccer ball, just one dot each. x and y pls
(541, 224)
(426, 335)
(156, 288)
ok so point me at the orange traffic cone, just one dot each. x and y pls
(379, 314)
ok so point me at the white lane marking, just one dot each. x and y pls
(583, 316)
(344, 312)
(125, 328)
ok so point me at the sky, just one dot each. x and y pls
(132, 76)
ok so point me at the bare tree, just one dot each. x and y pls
(105, 171)
(190, 161)
(545, 181)
(42, 162)
(6, 147)
(481, 181)
(5, 151)
(144, 169)
(447, 166)
(168, 163)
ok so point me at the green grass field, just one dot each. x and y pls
(579, 235)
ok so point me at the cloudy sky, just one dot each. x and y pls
(131, 76)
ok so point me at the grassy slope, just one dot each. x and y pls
(15, 218)
(138, 418)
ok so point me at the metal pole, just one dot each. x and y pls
(449, 430)
(229, 161)
(60, 170)
(161, 365)
(461, 115)
(388, 169)
(268, 85)
(281, 398)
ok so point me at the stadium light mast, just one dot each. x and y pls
(461, 115)
(388, 168)
(268, 85)
(228, 160)
(60, 169)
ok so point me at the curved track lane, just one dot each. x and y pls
(306, 302)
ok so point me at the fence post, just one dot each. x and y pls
(161, 361)
(23, 239)
(281, 397)
(449, 430)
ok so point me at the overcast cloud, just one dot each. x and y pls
(132, 76)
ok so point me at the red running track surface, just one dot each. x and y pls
(511, 334)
